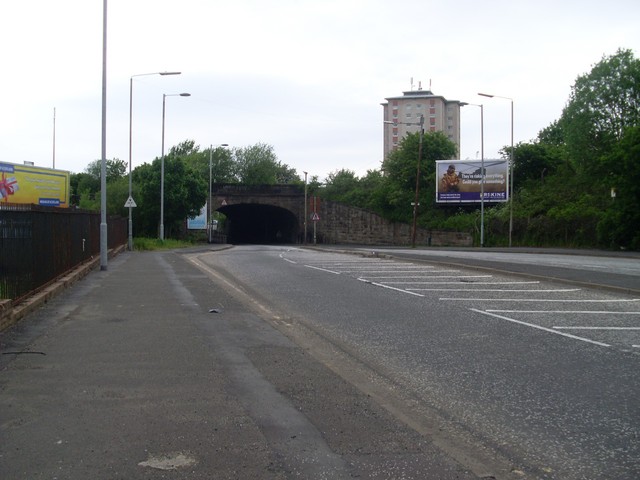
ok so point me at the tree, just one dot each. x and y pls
(602, 105)
(534, 161)
(258, 165)
(400, 169)
(620, 226)
(115, 169)
(185, 192)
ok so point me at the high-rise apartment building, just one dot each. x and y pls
(402, 115)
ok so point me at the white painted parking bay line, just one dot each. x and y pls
(597, 328)
(390, 288)
(536, 300)
(490, 290)
(459, 282)
(432, 276)
(323, 269)
(539, 327)
(581, 312)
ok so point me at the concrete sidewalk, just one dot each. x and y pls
(130, 375)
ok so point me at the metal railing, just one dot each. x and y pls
(40, 244)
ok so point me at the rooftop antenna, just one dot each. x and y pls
(420, 85)
(412, 84)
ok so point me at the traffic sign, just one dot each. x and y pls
(130, 203)
(315, 217)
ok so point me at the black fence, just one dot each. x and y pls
(39, 244)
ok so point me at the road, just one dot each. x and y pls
(275, 362)
(500, 371)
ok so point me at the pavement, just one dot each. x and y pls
(150, 369)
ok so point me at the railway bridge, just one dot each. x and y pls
(276, 214)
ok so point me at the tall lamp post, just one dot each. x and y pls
(130, 238)
(510, 166)
(304, 241)
(210, 220)
(417, 191)
(164, 96)
(482, 172)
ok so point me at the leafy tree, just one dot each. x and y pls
(185, 192)
(620, 224)
(258, 165)
(534, 161)
(603, 103)
(115, 169)
(400, 169)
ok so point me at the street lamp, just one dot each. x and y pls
(482, 173)
(209, 197)
(415, 203)
(130, 200)
(164, 96)
(304, 241)
(510, 166)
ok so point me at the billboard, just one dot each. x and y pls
(34, 185)
(199, 222)
(460, 181)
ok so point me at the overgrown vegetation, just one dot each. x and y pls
(577, 184)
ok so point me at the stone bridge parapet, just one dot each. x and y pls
(276, 213)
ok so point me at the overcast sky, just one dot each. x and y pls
(304, 76)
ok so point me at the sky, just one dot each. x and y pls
(306, 77)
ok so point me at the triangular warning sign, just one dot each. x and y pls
(315, 217)
(224, 203)
(130, 203)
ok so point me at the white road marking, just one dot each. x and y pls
(597, 328)
(537, 300)
(539, 327)
(390, 288)
(581, 312)
(322, 269)
(489, 290)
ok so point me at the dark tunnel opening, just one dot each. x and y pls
(259, 224)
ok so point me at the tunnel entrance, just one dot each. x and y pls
(260, 224)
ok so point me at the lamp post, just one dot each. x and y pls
(510, 166)
(164, 96)
(482, 172)
(304, 241)
(130, 238)
(210, 220)
(417, 191)
(104, 248)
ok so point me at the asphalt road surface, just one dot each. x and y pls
(282, 362)
(538, 375)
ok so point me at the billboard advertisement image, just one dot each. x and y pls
(460, 181)
(25, 184)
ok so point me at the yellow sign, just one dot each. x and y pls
(34, 185)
